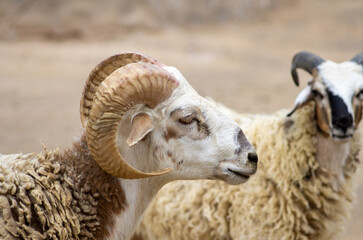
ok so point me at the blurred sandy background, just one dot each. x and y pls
(237, 52)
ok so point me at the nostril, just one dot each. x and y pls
(252, 157)
(344, 122)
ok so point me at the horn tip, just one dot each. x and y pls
(130, 142)
(151, 174)
(295, 77)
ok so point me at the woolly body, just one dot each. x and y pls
(46, 196)
(290, 197)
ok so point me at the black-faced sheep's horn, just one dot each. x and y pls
(135, 83)
(358, 58)
(100, 73)
(304, 60)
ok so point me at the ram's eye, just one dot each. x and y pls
(187, 120)
(316, 93)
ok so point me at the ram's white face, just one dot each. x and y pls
(338, 92)
(192, 137)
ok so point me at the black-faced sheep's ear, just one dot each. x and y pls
(142, 124)
(304, 97)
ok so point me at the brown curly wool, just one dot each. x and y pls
(57, 195)
(290, 197)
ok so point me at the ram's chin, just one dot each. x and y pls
(342, 138)
(232, 177)
(238, 180)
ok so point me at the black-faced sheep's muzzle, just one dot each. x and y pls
(343, 128)
(343, 123)
(343, 135)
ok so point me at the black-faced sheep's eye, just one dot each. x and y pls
(360, 95)
(316, 93)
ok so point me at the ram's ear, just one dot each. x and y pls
(142, 124)
(304, 97)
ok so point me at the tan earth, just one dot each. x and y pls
(243, 65)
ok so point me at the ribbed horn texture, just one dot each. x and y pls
(304, 60)
(136, 83)
(358, 58)
(100, 73)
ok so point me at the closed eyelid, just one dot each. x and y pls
(189, 116)
(196, 115)
(185, 112)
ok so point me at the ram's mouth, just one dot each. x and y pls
(233, 173)
(239, 173)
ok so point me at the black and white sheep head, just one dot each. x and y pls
(182, 132)
(336, 88)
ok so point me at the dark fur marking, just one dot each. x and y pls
(170, 155)
(358, 113)
(321, 116)
(242, 142)
(169, 134)
(341, 118)
(203, 129)
(137, 237)
(89, 178)
(182, 123)
(288, 123)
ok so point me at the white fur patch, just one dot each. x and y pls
(303, 95)
(342, 79)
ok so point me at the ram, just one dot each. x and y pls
(140, 116)
(304, 186)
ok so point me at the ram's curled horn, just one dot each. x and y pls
(101, 71)
(358, 58)
(135, 83)
(304, 60)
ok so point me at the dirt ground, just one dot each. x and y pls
(243, 65)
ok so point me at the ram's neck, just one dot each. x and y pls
(96, 195)
(139, 194)
(107, 207)
(331, 156)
